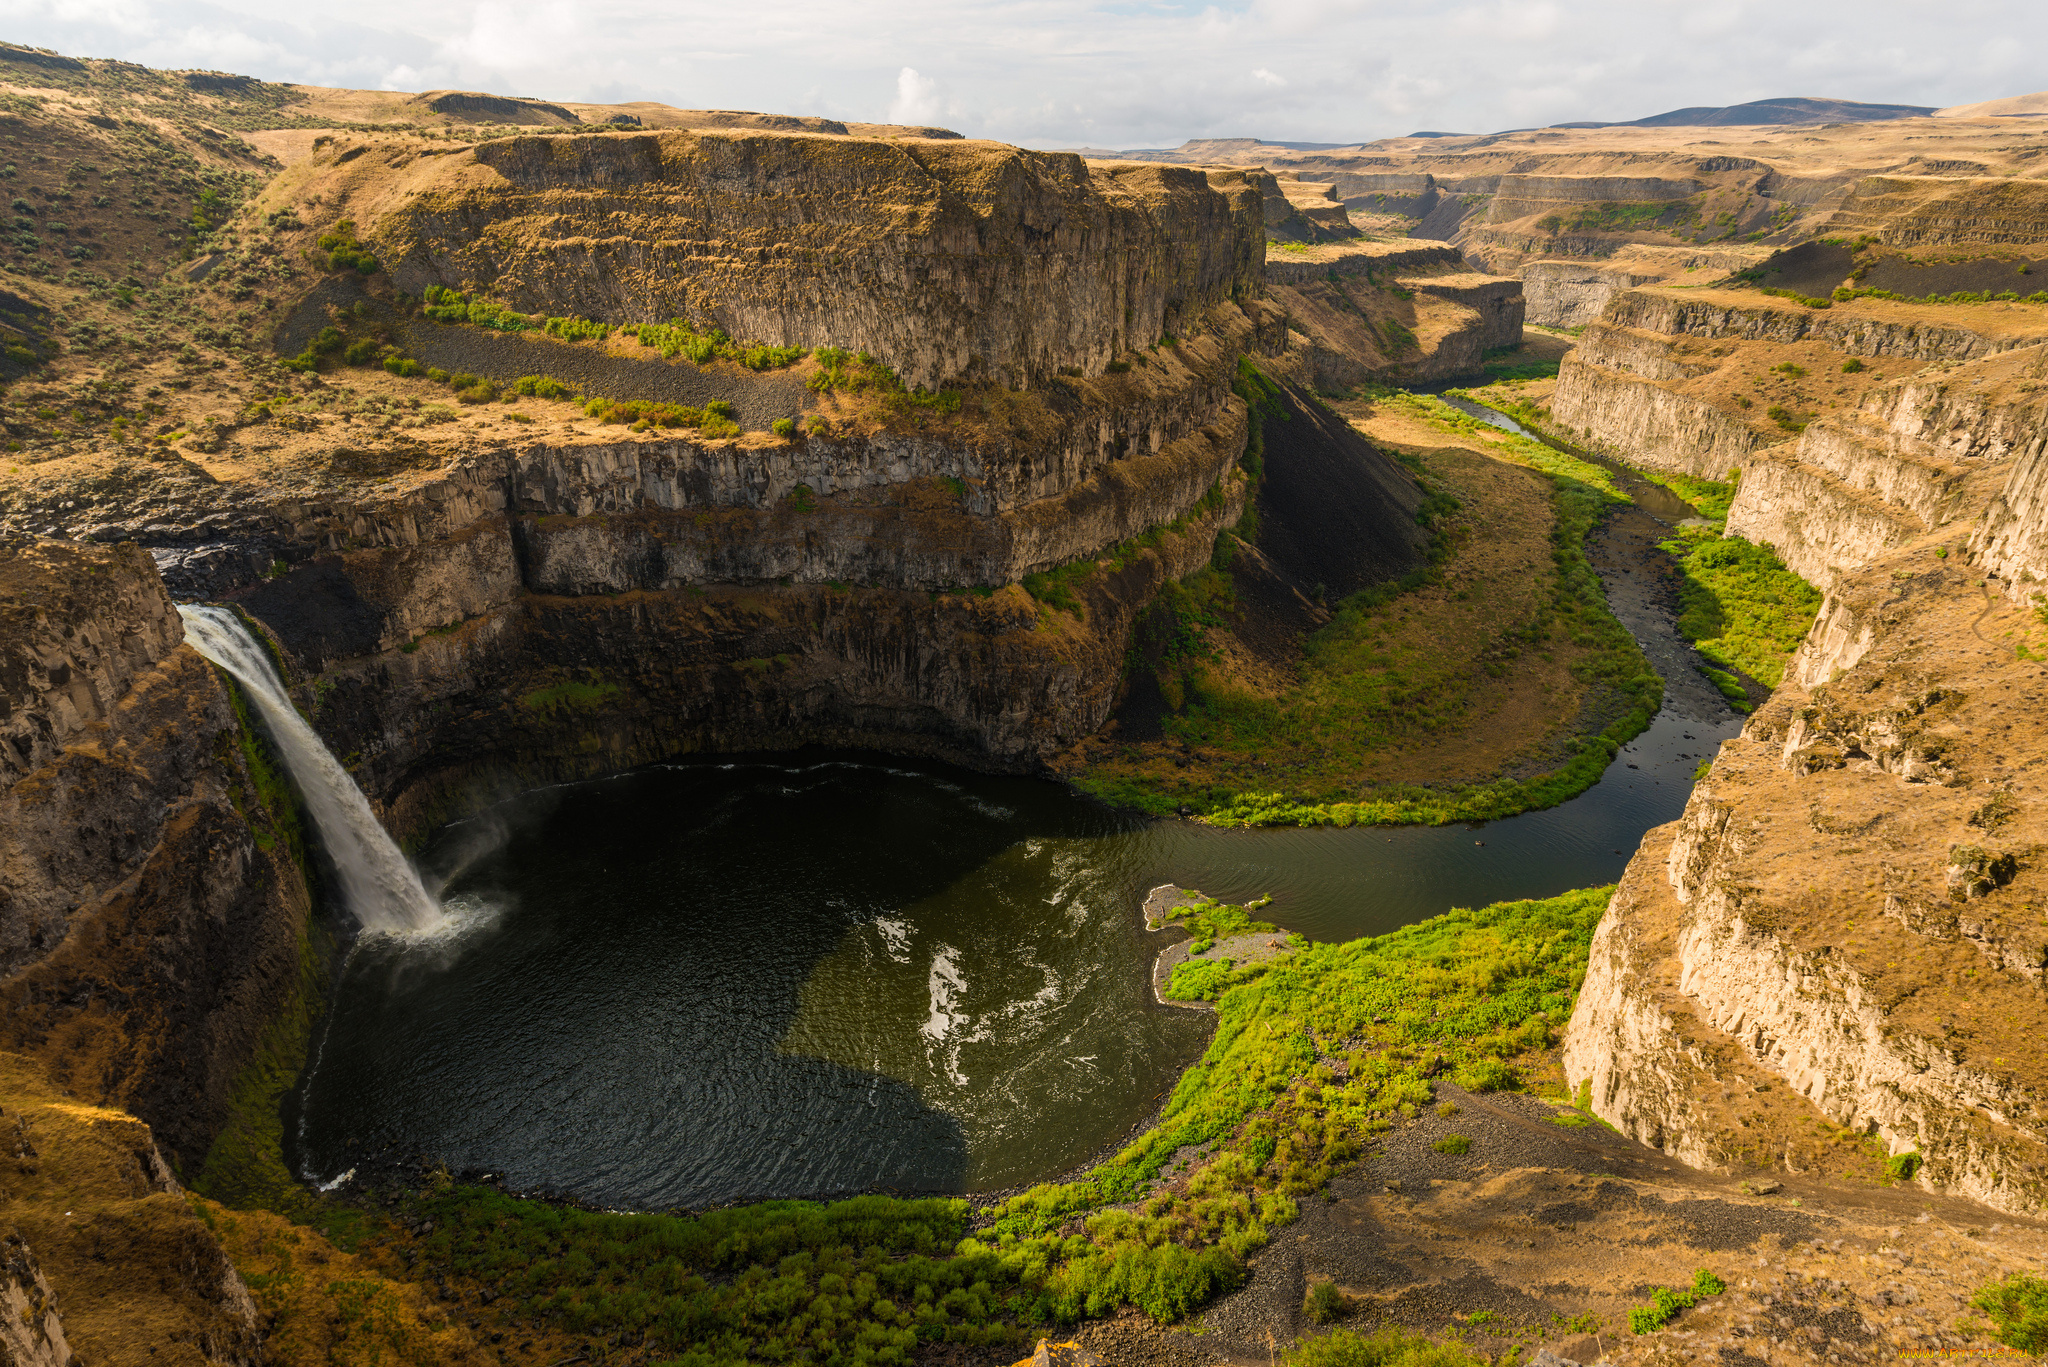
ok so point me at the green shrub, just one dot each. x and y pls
(1324, 1303)
(678, 338)
(719, 408)
(1453, 1143)
(437, 375)
(360, 352)
(540, 387)
(1665, 1303)
(483, 391)
(1852, 366)
(2018, 1307)
(783, 427)
(325, 343)
(1487, 1075)
(1388, 1348)
(344, 252)
(1901, 1167)
(444, 305)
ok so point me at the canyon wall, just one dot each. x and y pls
(152, 910)
(1841, 941)
(1400, 312)
(1574, 293)
(953, 261)
(1664, 379)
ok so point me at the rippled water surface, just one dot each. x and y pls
(811, 974)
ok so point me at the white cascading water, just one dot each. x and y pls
(377, 882)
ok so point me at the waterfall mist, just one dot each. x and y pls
(378, 884)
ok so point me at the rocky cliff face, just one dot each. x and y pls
(1391, 312)
(950, 260)
(1841, 937)
(1574, 293)
(575, 601)
(1670, 380)
(151, 910)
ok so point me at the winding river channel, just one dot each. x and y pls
(813, 973)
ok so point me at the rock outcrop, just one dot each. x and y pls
(1393, 312)
(102, 1256)
(1574, 293)
(152, 913)
(951, 260)
(1664, 380)
(1848, 912)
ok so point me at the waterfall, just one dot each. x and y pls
(377, 882)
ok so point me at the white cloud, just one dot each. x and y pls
(917, 99)
(1111, 73)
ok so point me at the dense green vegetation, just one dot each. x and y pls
(453, 306)
(1499, 366)
(344, 252)
(2018, 1307)
(677, 338)
(1665, 1303)
(1355, 697)
(1739, 605)
(1711, 497)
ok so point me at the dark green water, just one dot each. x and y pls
(821, 973)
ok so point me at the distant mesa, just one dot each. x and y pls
(39, 56)
(2011, 106)
(501, 108)
(1437, 133)
(220, 82)
(1788, 109)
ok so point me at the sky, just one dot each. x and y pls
(1064, 73)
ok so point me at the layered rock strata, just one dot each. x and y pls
(953, 261)
(1664, 380)
(1574, 293)
(1399, 312)
(1849, 911)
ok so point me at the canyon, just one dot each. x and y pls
(755, 432)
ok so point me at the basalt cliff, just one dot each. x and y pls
(1842, 941)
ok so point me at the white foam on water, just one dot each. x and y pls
(895, 937)
(946, 984)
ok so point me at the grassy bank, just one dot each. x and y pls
(1740, 607)
(1738, 604)
(1312, 1057)
(1404, 685)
